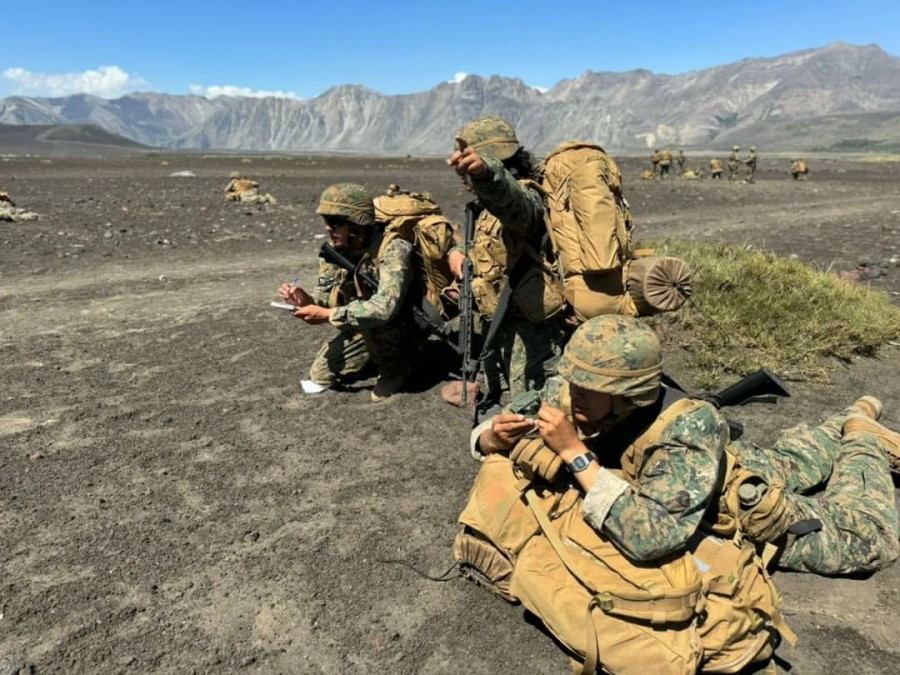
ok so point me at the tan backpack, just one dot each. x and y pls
(531, 545)
(416, 217)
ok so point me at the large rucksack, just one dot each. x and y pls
(416, 217)
(590, 226)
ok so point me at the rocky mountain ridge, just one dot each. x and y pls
(833, 97)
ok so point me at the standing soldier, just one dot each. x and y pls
(509, 236)
(681, 160)
(654, 160)
(372, 327)
(734, 162)
(665, 163)
(751, 164)
(715, 168)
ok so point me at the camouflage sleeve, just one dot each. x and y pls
(329, 277)
(519, 208)
(675, 485)
(395, 273)
(549, 394)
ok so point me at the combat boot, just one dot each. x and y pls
(388, 385)
(869, 406)
(889, 440)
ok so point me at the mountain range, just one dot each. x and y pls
(836, 97)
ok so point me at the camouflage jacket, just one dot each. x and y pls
(751, 160)
(395, 273)
(513, 218)
(656, 512)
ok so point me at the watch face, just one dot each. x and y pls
(580, 463)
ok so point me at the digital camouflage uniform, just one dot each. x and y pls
(715, 168)
(734, 162)
(681, 160)
(524, 352)
(368, 328)
(751, 165)
(654, 161)
(658, 509)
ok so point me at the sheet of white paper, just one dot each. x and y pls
(311, 387)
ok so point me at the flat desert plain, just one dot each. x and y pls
(170, 500)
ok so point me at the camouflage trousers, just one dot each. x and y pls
(346, 357)
(845, 483)
(524, 354)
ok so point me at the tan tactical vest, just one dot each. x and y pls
(537, 295)
(540, 551)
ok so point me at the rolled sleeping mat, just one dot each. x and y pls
(659, 284)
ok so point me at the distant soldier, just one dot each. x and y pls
(734, 162)
(798, 168)
(715, 168)
(751, 164)
(5, 199)
(244, 190)
(654, 159)
(680, 159)
(690, 174)
(665, 163)
(647, 174)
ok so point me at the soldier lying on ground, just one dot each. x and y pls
(834, 478)
(653, 477)
(245, 190)
(368, 328)
(798, 168)
(611, 369)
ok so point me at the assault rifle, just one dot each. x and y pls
(423, 314)
(763, 386)
(470, 366)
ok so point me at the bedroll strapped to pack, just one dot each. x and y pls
(416, 217)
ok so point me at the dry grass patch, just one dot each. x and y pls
(752, 309)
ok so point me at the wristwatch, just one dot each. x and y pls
(581, 462)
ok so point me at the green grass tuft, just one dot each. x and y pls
(752, 309)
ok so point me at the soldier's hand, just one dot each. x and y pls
(506, 429)
(457, 259)
(466, 161)
(559, 433)
(294, 295)
(312, 314)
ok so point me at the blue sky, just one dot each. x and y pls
(303, 48)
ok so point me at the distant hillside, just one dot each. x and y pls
(63, 139)
(838, 96)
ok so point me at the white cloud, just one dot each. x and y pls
(459, 77)
(215, 91)
(106, 82)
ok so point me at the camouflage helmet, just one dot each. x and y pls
(349, 201)
(752, 148)
(737, 147)
(616, 355)
(490, 137)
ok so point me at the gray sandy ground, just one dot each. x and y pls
(171, 502)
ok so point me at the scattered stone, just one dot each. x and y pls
(848, 275)
(108, 234)
(183, 174)
(163, 277)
